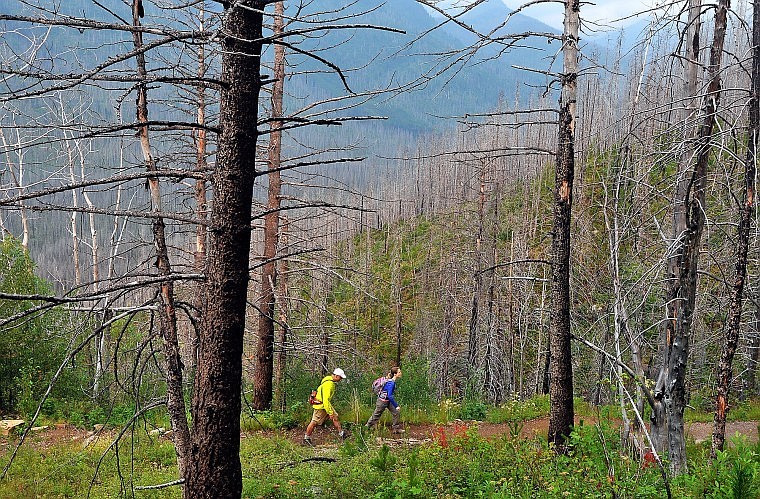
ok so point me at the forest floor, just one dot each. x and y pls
(415, 434)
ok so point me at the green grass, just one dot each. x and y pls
(515, 410)
(68, 469)
(747, 410)
(457, 463)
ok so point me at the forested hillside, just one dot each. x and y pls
(208, 207)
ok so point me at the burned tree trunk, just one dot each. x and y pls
(694, 204)
(725, 371)
(681, 282)
(214, 466)
(561, 386)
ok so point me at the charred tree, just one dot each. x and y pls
(214, 466)
(692, 201)
(747, 209)
(167, 312)
(673, 344)
(561, 412)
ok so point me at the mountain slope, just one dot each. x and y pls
(435, 75)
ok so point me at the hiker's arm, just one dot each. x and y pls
(327, 393)
(392, 387)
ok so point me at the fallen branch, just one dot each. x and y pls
(160, 485)
(318, 459)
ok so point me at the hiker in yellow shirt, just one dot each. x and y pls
(325, 408)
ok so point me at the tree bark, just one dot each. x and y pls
(214, 468)
(262, 376)
(561, 387)
(695, 205)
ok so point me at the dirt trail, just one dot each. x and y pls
(415, 434)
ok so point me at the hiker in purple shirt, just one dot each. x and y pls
(385, 400)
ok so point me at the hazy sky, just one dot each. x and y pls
(603, 11)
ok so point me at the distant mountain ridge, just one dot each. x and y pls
(458, 81)
(430, 71)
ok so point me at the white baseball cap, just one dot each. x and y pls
(339, 372)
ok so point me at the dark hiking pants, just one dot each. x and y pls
(379, 408)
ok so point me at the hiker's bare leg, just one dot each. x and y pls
(318, 417)
(310, 428)
(336, 423)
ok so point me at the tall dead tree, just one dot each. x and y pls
(689, 222)
(561, 412)
(675, 302)
(214, 466)
(473, 344)
(201, 202)
(167, 311)
(262, 375)
(746, 213)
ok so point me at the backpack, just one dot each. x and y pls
(378, 384)
(313, 400)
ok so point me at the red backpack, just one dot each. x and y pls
(313, 400)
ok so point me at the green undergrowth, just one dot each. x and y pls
(516, 410)
(745, 410)
(455, 463)
(68, 468)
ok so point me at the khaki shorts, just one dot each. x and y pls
(319, 416)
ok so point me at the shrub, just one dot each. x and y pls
(32, 349)
(473, 410)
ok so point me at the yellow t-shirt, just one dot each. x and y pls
(325, 392)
